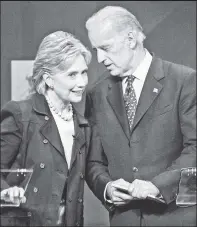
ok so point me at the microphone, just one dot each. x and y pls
(75, 136)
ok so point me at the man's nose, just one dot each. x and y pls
(100, 56)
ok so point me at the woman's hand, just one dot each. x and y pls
(14, 195)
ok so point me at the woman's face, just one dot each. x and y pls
(69, 85)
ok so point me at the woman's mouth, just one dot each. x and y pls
(78, 92)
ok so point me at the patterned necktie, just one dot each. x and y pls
(130, 100)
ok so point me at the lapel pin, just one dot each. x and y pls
(155, 90)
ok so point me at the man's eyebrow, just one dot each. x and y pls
(104, 46)
(85, 69)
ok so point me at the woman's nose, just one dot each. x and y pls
(82, 81)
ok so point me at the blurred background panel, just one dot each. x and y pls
(170, 27)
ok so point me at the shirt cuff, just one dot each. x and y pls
(160, 196)
(106, 200)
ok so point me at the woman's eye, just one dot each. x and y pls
(72, 75)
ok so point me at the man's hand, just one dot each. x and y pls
(140, 189)
(117, 197)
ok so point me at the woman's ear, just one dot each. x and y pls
(48, 80)
(132, 39)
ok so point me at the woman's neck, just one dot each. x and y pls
(59, 104)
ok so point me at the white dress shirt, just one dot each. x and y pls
(66, 131)
(140, 73)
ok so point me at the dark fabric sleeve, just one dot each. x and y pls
(89, 109)
(11, 136)
(97, 174)
(168, 181)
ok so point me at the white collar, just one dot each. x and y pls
(141, 71)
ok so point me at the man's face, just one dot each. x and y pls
(112, 50)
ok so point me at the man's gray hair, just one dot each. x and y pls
(57, 51)
(117, 18)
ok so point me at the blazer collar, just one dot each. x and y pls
(40, 106)
(156, 68)
(82, 121)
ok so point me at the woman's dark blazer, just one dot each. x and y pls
(30, 139)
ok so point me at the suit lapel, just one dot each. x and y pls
(151, 89)
(79, 139)
(115, 99)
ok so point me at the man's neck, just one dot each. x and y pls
(138, 57)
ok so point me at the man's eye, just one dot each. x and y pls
(84, 72)
(106, 48)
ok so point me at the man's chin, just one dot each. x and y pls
(114, 74)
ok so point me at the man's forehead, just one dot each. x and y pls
(101, 36)
(105, 41)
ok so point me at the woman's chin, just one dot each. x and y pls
(76, 99)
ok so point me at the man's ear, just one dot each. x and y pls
(132, 39)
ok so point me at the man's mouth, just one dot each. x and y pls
(108, 66)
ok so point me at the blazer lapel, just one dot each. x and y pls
(151, 89)
(116, 101)
(50, 131)
(48, 127)
(79, 138)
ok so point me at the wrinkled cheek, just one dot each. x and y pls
(86, 82)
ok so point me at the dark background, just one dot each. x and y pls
(170, 27)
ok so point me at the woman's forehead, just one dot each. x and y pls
(76, 63)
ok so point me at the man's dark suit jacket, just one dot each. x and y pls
(163, 141)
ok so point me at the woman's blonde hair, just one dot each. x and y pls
(56, 51)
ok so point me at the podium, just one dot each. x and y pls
(187, 188)
(15, 177)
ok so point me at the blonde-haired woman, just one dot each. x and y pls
(45, 132)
